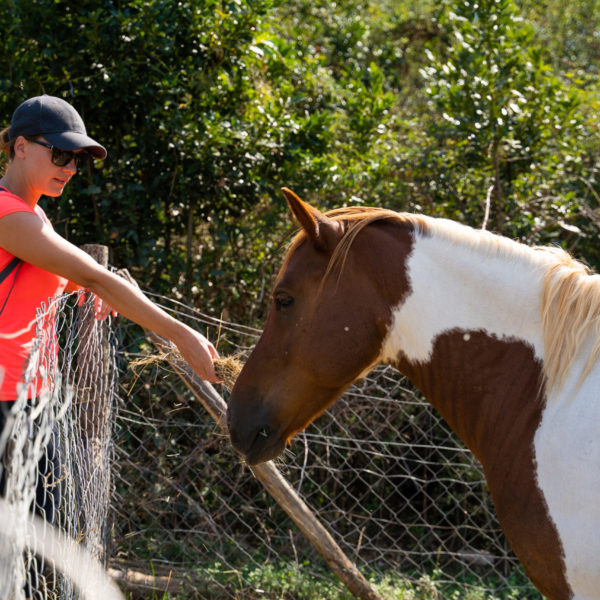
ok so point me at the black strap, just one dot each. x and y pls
(13, 264)
(9, 268)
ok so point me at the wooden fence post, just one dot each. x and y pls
(93, 406)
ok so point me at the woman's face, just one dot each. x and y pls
(41, 173)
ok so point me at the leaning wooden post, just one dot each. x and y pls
(277, 486)
(270, 477)
(93, 407)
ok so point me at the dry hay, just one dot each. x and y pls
(227, 368)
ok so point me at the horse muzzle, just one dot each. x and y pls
(256, 441)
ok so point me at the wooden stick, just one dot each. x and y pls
(268, 474)
(272, 479)
(134, 579)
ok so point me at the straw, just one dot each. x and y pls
(227, 368)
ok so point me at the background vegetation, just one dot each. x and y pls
(208, 108)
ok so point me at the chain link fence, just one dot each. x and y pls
(179, 514)
(56, 452)
(401, 495)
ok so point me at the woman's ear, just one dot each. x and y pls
(20, 147)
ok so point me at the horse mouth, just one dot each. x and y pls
(267, 445)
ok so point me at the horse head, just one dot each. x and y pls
(331, 306)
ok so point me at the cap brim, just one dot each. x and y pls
(70, 140)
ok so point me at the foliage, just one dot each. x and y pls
(208, 108)
(507, 122)
(176, 91)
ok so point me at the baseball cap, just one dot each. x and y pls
(57, 121)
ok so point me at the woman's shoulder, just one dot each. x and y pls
(9, 203)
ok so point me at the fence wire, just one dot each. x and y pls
(55, 446)
(155, 491)
(398, 491)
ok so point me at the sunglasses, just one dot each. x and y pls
(62, 158)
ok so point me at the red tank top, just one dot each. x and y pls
(24, 291)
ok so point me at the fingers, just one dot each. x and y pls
(207, 369)
(212, 350)
(102, 309)
(199, 353)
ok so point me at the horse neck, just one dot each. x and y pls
(466, 285)
(469, 333)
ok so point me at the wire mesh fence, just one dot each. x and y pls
(401, 495)
(151, 486)
(55, 446)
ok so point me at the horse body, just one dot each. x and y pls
(458, 312)
(476, 352)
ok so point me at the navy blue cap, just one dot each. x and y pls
(57, 121)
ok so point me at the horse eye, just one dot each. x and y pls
(282, 299)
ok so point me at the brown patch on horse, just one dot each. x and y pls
(488, 392)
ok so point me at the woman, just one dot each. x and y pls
(46, 141)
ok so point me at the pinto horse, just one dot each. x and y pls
(501, 338)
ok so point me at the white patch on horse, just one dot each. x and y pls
(567, 449)
(457, 287)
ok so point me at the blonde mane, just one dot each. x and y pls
(570, 304)
(570, 312)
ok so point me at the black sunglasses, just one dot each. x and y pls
(61, 158)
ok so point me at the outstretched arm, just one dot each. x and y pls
(26, 236)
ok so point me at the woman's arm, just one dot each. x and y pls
(26, 236)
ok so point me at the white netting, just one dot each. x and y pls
(56, 447)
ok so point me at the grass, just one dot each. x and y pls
(290, 581)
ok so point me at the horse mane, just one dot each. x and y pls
(354, 219)
(570, 311)
(570, 302)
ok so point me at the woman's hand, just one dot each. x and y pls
(199, 353)
(102, 309)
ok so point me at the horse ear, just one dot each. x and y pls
(323, 232)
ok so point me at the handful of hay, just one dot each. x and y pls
(227, 368)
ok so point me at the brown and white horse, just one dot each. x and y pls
(501, 338)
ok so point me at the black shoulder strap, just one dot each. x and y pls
(9, 268)
(13, 264)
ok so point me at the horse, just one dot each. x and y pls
(501, 338)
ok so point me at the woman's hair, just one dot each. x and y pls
(6, 145)
(7, 150)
